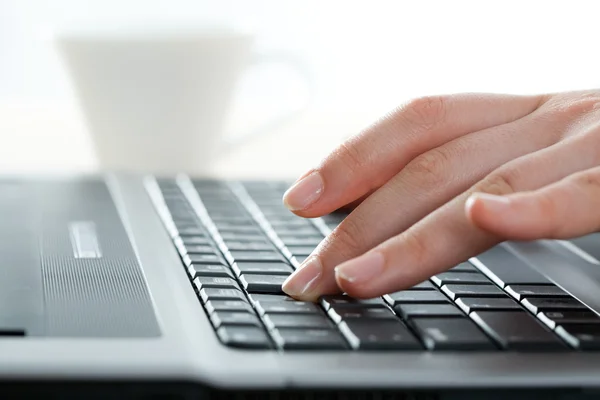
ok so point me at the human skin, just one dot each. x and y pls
(442, 179)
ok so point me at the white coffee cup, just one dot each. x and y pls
(155, 99)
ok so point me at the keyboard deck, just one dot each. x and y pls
(238, 244)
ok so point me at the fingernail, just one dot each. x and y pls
(361, 269)
(304, 192)
(301, 282)
(491, 202)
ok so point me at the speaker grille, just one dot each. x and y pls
(90, 294)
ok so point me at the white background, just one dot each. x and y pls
(366, 57)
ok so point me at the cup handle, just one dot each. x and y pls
(292, 62)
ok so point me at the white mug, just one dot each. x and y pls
(156, 101)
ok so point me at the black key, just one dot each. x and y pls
(464, 267)
(221, 294)
(199, 249)
(504, 268)
(426, 285)
(233, 217)
(267, 268)
(308, 339)
(190, 259)
(254, 297)
(521, 291)
(459, 278)
(256, 256)
(246, 337)
(581, 336)
(554, 318)
(427, 310)
(301, 241)
(210, 270)
(206, 282)
(455, 291)
(227, 305)
(415, 296)
(263, 283)
(516, 330)
(290, 224)
(242, 229)
(234, 245)
(191, 231)
(312, 321)
(195, 240)
(220, 318)
(378, 334)
(235, 225)
(289, 232)
(340, 313)
(451, 334)
(286, 307)
(301, 249)
(347, 301)
(241, 237)
(536, 305)
(469, 304)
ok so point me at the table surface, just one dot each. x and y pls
(53, 138)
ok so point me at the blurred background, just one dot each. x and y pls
(364, 57)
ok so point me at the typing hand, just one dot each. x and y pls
(444, 178)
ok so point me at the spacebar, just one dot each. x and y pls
(504, 268)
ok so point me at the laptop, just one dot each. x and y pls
(130, 286)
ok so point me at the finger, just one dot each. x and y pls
(565, 209)
(368, 160)
(425, 184)
(447, 236)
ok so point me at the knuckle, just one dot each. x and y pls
(425, 112)
(429, 168)
(572, 107)
(498, 183)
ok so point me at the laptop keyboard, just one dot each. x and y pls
(238, 244)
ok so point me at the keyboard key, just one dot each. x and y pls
(205, 282)
(516, 330)
(227, 305)
(270, 268)
(342, 312)
(241, 256)
(301, 241)
(536, 305)
(219, 318)
(263, 283)
(222, 271)
(309, 339)
(306, 232)
(415, 296)
(521, 291)
(194, 240)
(190, 259)
(191, 231)
(301, 249)
(451, 334)
(234, 245)
(455, 291)
(262, 297)
(242, 229)
(241, 237)
(245, 337)
(312, 321)
(468, 304)
(459, 277)
(300, 259)
(554, 318)
(464, 267)
(426, 285)
(378, 334)
(221, 294)
(199, 249)
(427, 310)
(504, 268)
(286, 307)
(581, 336)
(347, 301)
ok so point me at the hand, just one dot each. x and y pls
(443, 179)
